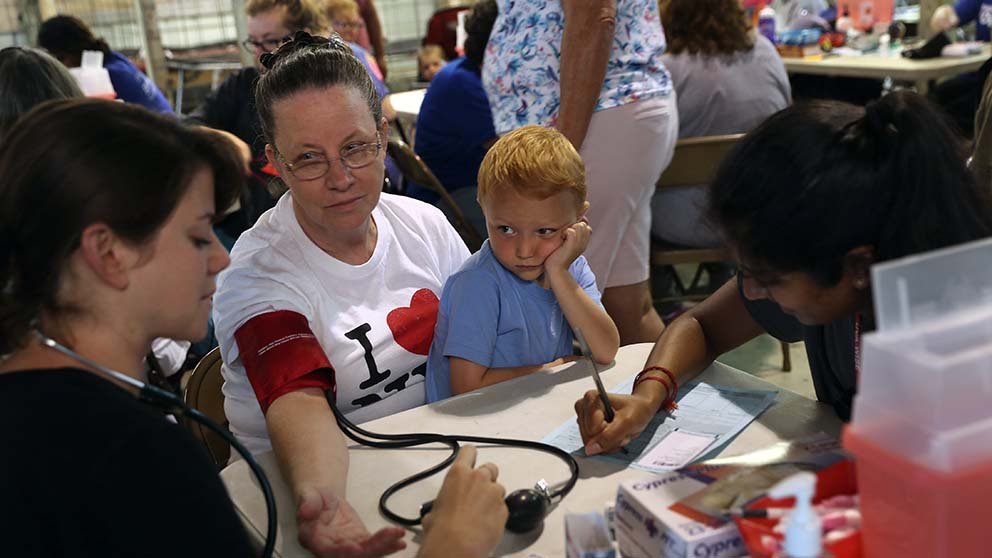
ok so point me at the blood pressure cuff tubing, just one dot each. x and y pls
(281, 355)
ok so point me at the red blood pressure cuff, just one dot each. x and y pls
(281, 354)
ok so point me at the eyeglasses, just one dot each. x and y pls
(347, 24)
(265, 45)
(355, 156)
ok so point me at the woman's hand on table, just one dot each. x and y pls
(632, 414)
(329, 527)
(469, 514)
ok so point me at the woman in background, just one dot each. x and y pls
(66, 37)
(455, 124)
(29, 77)
(728, 79)
(593, 69)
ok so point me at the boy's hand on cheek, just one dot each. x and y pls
(576, 238)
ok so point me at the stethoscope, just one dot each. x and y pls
(172, 404)
(527, 506)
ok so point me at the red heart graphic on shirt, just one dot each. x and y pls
(413, 326)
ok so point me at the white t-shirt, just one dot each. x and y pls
(374, 321)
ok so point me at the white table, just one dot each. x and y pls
(407, 104)
(896, 67)
(529, 407)
(407, 107)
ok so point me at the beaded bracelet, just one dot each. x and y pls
(668, 404)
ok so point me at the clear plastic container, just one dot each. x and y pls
(921, 427)
(92, 77)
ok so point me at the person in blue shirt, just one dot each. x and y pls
(66, 37)
(455, 125)
(961, 13)
(511, 308)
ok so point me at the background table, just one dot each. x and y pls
(896, 67)
(407, 104)
(529, 407)
(215, 66)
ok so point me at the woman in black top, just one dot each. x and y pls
(106, 212)
(807, 203)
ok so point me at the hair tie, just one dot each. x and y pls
(299, 41)
(267, 59)
(302, 38)
(879, 122)
(335, 41)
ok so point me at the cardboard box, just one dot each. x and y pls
(647, 528)
(799, 51)
(673, 515)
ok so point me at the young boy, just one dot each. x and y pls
(509, 311)
(430, 60)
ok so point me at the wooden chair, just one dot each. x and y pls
(203, 392)
(414, 168)
(694, 164)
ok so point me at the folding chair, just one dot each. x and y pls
(414, 169)
(694, 165)
(203, 392)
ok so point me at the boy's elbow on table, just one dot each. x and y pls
(606, 358)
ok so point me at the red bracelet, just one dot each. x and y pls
(669, 403)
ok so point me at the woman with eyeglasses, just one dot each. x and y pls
(333, 292)
(231, 107)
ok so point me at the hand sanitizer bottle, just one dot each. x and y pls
(803, 528)
(766, 23)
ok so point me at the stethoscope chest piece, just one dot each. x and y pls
(528, 506)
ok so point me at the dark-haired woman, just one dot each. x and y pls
(66, 37)
(28, 77)
(808, 202)
(455, 124)
(728, 79)
(107, 244)
(333, 290)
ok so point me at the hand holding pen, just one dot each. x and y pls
(604, 402)
(632, 414)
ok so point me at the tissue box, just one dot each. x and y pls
(586, 536)
(647, 528)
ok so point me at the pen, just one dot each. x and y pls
(608, 413)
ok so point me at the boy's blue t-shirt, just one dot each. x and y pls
(979, 11)
(132, 86)
(491, 317)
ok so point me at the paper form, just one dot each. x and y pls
(676, 450)
(703, 410)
